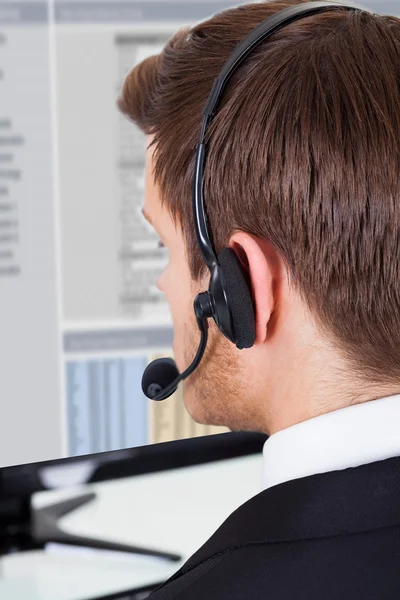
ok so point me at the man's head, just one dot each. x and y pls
(302, 181)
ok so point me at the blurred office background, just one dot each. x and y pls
(81, 316)
(80, 313)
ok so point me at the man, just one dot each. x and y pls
(302, 181)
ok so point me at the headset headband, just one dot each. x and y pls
(242, 50)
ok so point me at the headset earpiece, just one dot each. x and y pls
(238, 298)
(228, 301)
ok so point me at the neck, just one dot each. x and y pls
(300, 374)
(319, 384)
(303, 409)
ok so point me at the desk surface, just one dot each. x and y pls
(173, 510)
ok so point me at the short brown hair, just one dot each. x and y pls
(304, 151)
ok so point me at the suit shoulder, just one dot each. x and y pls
(328, 568)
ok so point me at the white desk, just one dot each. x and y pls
(173, 510)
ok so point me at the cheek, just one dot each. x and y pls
(175, 284)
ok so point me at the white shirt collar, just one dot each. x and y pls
(345, 438)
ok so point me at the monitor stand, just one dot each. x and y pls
(24, 528)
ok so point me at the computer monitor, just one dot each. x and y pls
(22, 528)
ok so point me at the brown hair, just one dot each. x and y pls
(304, 151)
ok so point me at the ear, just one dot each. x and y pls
(260, 261)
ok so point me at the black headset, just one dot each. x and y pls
(228, 300)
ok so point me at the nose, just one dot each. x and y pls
(160, 283)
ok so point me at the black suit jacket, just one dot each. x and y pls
(334, 536)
